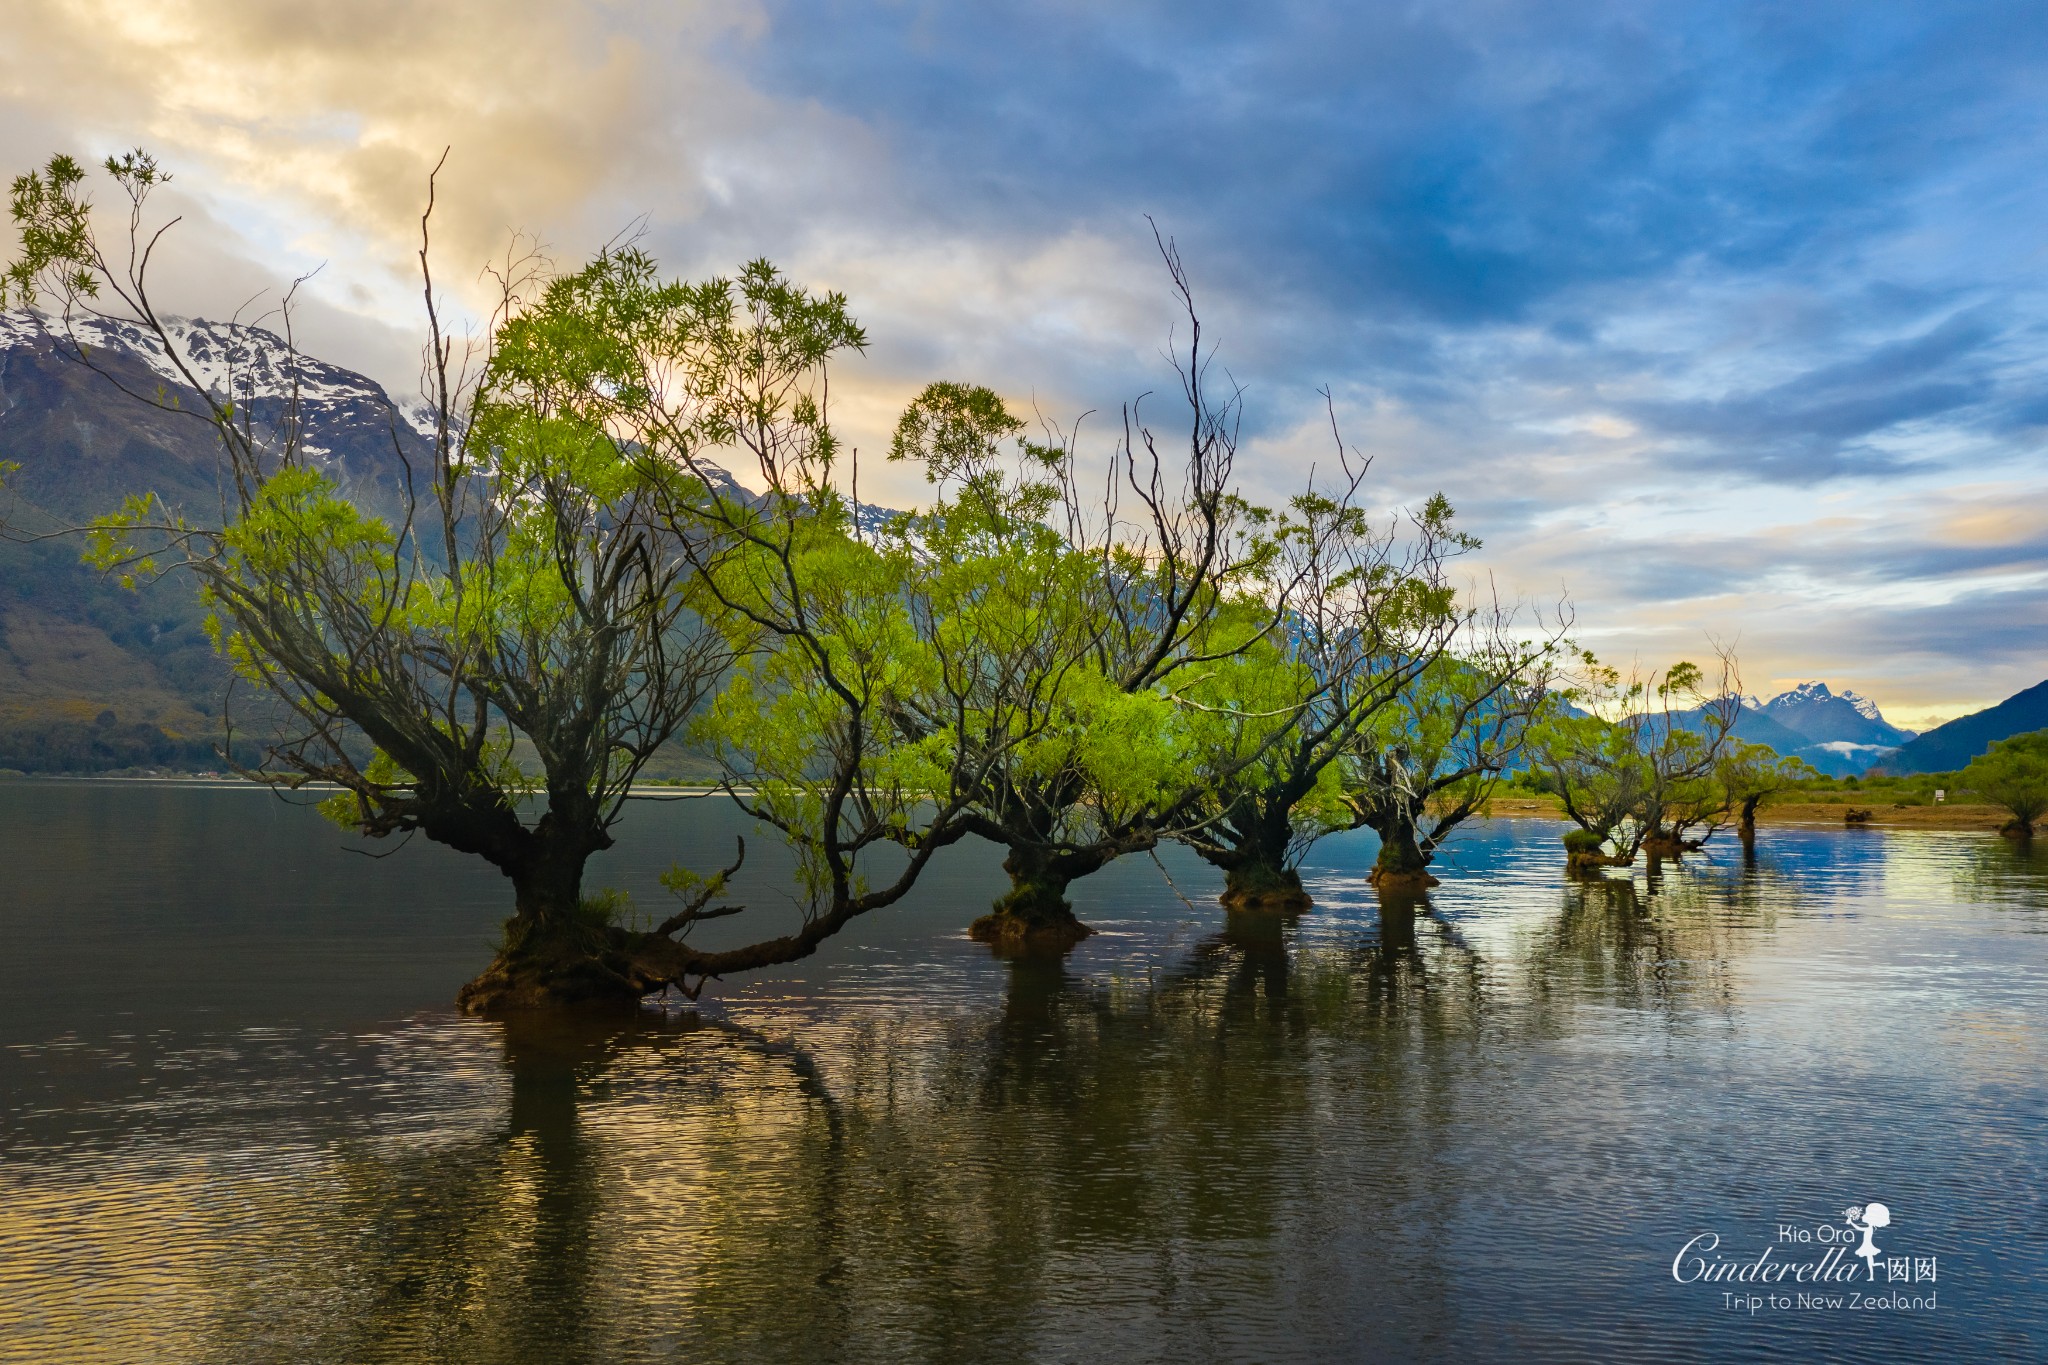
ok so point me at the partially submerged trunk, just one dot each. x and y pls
(1403, 864)
(1252, 848)
(1586, 853)
(1264, 885)
(556, 951)
(1745, 829)
(1035, 911)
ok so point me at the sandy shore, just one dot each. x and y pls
(1883, 813)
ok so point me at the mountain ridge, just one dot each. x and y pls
(1951, 746)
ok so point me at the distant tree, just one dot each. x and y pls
(2013, 773)
(1749, 773)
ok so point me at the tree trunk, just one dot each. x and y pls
(1747, 828)
(1661, 843)
(555, 951)
(1402, 865)
(1256, 876)
(1035, 911)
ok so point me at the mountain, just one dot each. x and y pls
(1760, 727)
(1842, 733)
(1825, 717)
(1948, 747)
(93, 676)
(1836, 733)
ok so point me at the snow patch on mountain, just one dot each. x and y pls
(231, 361)
(1806, 691)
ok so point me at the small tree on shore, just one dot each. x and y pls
(2013, 773)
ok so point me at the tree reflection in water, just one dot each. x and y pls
(1274, 1129)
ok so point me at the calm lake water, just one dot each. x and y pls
(239, 1120)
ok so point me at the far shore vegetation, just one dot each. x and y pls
(1075, 654)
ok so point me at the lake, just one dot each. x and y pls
(1527, 1120)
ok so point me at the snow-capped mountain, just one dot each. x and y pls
(1829, 717)
(347, 425)
(1837, 732)
(74, 645)
(231, 360)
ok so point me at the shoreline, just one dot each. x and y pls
(1805, 814)
(1802, 814)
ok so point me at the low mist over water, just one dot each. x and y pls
(240, 1119)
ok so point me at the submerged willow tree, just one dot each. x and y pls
(1639, 767)
(494, 666)
(1367, 613)
(1081, 742)
(1430, 761)
(1748, 774)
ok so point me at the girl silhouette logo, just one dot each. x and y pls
(1867, 1219)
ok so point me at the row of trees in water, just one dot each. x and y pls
(1074, 660)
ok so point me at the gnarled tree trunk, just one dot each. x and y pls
(555, 952)
(1403, 864)
(1035, 911)
(1251, 848)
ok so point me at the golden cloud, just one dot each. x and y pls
(550, 108)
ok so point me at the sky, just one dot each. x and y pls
(1723, 320)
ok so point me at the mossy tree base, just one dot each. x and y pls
(583, 962)
(1402, 866)
(2016, 829)
(1034, 912)
(1402, 879)
(1265, 889)
(1000, 930)
(583, 967)
(1593, 862)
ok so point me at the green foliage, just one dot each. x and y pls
(1582, 842)
(2013, 774)
(1642, 764)
(1748, 773)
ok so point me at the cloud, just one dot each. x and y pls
(1704, 310)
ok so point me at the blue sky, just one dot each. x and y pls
(1724, 318)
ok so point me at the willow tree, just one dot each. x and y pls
(494, 666)
(1432, 760)
(1069, 765)
(881, 674)
(2012, 773)
(1748, 774)
(1643, 753)
(1368, 612)
(1137, 600)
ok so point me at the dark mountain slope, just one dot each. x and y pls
(1948, 747)
(92, 675)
